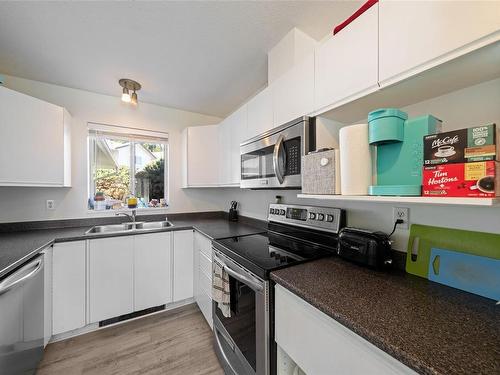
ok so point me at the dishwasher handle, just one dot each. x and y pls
(20, 276)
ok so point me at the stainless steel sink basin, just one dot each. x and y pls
(129, 227)
(154, 225)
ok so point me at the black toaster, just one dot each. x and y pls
(369, 248)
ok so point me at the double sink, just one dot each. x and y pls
(139, 226)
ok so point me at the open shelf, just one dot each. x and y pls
(413, 200)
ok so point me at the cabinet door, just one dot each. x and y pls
(293, 92)
(183, 264)
(200, 156)
(347, 63)
(260, 113)
(111, 277)
(224, 152)
(417, 35)
(68, 286)
(47, 295)
(32, 152)
(238, 129)
(152, 270)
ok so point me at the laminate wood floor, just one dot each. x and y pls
(175, 342)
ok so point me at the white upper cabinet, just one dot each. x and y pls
(260, 113)
(224, 152)
(293, 92)
(200, 156)
(152, 270)
(232, 131)
(36, 141)
(347, 63)
(418, 35)
(238, 130)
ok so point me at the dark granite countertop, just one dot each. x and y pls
(430, 327)
(16, 247)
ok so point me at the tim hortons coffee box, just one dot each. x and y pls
(480, 143)
(480, 179)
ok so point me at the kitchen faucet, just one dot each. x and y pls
(131, 217)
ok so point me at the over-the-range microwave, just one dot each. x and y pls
(273, 159)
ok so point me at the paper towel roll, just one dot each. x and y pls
(355, 160)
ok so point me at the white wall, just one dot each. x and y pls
(28, 203)
(468, 107)
(472, 106)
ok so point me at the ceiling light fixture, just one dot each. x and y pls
(129, 85)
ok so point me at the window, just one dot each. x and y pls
(126, 162)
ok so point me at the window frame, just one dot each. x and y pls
(134, 136)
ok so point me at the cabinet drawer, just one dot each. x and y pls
(203, 244)
(205, 285)
(205, 305)
(205, 265)
(326, 346)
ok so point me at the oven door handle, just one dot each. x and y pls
(280, 174)
(244, 279)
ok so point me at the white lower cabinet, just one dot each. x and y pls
(319, 344)
(47, 295)
(111, 277)
(68, 286)
(152, 270)
(183, 265)
(203, 275)
(104, 278)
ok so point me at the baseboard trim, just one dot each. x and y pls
(95, 326)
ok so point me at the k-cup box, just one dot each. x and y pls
(480, 143)
(480, 179)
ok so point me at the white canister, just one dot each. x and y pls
(355, 160)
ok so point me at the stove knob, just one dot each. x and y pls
(282, 212)
(329, 218)
(271, 210)
(272, 254)
(312, 215)
(321, 217)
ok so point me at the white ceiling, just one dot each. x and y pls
(206, 57)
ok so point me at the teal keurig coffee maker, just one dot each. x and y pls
(399, 144)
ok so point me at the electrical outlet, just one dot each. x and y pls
(51, 204)
(401, 213)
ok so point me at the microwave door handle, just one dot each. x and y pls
(280, 175)
(252, 284)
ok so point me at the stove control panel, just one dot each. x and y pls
(320, 218)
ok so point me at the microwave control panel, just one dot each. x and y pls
(292, 149)
(320, 218)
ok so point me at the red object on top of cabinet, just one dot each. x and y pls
(355, 15)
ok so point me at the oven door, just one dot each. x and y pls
(242, 340)
(273, 160)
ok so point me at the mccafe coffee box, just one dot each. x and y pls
(480, 143)
(480, 179)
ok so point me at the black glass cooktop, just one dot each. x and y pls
(261, 253)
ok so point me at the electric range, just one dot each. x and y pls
(296, 234)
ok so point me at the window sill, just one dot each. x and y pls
(142, 210)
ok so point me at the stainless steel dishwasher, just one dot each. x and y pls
(22, 318)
